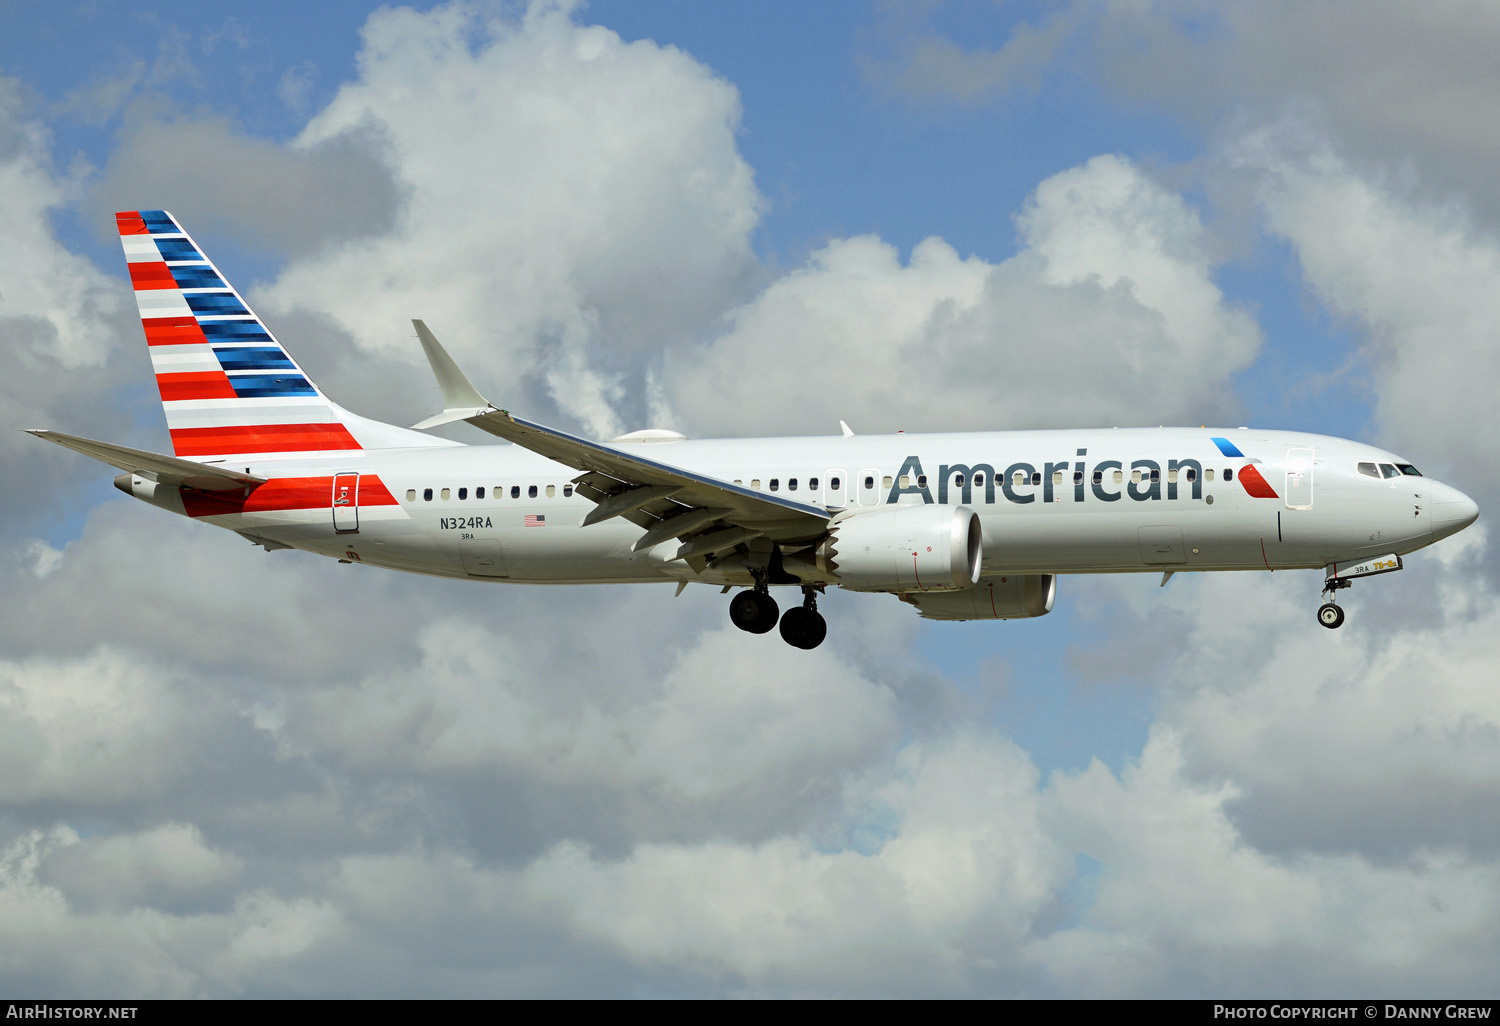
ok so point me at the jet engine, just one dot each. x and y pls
(904, 548)
(1009, 597)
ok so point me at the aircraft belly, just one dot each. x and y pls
(538, 544)
(1122, 540)
(566, 552)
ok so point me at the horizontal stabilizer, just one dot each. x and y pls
(163, 469)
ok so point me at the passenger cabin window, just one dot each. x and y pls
(551, 491)
(1192, 473)
(833, 482)
(1408, 470)
(1119, 476)
(791, 484)
(1208, 475)
(515, 491)
(447, 493)
(567, 490)
(886, 482)
(921, 480)
(775, 484)
(426, 494)
(905, 480)
(1171, 476)
(1098, 477)
(978, 479)
(1156, 477)
(755, 483)
(1389, 470)
(1368, 469)
(1036, 477)
(463, 493)
(958, 480)
(411, 495)
(1078, 477)
(869, 482)
(1135, 477)
(531, 492)
(1057, 477)
(812, 484)
(1228, 474)
(479, 492)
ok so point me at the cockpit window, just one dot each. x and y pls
(1408, 470)
(1368, 469)
(1389, 470)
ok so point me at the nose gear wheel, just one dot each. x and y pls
(1330, 614)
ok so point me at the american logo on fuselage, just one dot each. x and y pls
(1049, 481)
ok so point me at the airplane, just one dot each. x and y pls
(962, 526)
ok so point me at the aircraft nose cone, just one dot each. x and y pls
(1452, 510)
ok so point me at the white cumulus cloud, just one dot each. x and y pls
(1108, 310)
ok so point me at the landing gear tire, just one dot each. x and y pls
(803, 628)
(1330, 615)
(753, 611)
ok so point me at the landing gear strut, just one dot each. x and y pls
(1330, 614)
(803, 626)
(754, 609)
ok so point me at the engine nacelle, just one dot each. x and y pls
(904, 548)
(1010, 597)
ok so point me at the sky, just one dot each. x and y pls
(225, 772)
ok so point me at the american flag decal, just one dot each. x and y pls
(536, 520)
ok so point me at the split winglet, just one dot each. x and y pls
(461, 400)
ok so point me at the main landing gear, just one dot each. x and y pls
(803, 626)
(754, 610)
(1330, 614)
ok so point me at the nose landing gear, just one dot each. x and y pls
(1330, 614)
(1341, 575)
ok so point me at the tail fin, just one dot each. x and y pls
(227, 385)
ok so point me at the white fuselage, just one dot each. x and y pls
(1086, 502)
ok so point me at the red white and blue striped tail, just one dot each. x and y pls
(228, 387)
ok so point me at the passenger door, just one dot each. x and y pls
(1299, 478)
(345, 502)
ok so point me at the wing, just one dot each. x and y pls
(616, 479)
(710, 515)
(165, 469)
